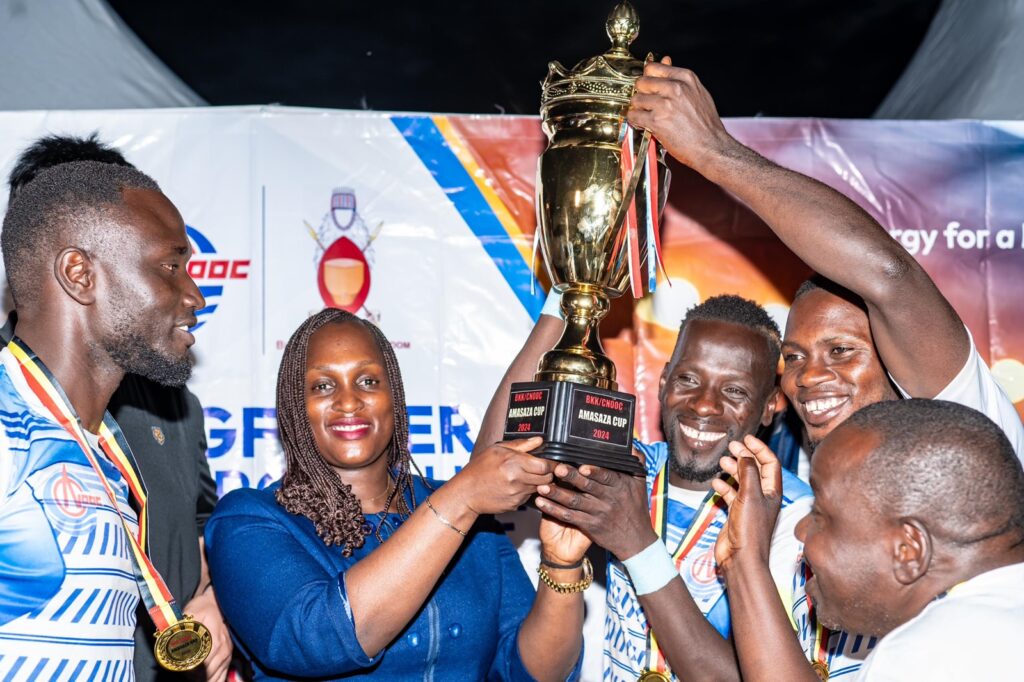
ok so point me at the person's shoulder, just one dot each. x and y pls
(793, 488)
(951, 638)
(249, 502)
(654, 454)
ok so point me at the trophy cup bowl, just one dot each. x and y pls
(581, 198)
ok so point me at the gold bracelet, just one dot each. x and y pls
(568, 588)
(443, 520)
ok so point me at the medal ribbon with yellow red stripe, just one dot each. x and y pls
(702, 520)
(155, 595)
(819, 643)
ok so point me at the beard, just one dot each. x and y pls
(130, 347)
(689, 469)
(687, 465)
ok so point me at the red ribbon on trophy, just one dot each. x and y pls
(631, 173)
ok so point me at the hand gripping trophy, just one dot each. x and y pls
(598, 203)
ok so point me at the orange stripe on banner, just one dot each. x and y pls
(522, 241)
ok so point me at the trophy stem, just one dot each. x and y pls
(578, 356)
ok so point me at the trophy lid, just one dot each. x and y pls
(608, 77)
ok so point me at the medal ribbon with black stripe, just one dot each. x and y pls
(181, 642)
(657, 667)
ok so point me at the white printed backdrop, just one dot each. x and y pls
(254, 185)
(424, 224)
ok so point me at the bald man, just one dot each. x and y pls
(916, 537)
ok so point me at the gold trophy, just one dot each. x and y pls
(582, 199)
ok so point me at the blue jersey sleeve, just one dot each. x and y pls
(31, 564)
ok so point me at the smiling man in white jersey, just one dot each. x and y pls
(96, 259)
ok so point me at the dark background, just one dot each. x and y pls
(833, 58)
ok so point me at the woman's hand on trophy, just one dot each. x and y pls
(672, 103)
(608, 506)
(503, 476)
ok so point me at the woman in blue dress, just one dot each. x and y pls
(352, 566)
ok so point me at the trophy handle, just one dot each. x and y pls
(634, 181)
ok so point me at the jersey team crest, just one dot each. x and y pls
(68, 505)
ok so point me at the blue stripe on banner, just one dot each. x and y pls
(432, 149)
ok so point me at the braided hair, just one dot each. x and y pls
(310, 487)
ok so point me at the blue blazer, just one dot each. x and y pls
(282, 592)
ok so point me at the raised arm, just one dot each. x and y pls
(919, 336)
(765, 642)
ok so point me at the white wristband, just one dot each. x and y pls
(553, 305)
(651, 569)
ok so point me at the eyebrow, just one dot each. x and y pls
(328, 368)
(840, 337)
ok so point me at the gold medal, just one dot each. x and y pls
(183, 646)
(654, 676)
(820, 669)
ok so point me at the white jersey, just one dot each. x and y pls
(67, 589)
(972, 633)
(625, 641)
(974, 387)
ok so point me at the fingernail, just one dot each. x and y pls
(543, 489)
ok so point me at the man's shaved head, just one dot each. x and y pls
(69, 204)
(943, 463)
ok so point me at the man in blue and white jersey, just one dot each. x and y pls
(719, 385)
(95, 257)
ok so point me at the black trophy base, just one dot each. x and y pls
(580, 424)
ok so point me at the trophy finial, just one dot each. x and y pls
(622, 26)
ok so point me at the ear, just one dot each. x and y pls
(662, 380)
(73, 270)
(911, 551)
(771, 405)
